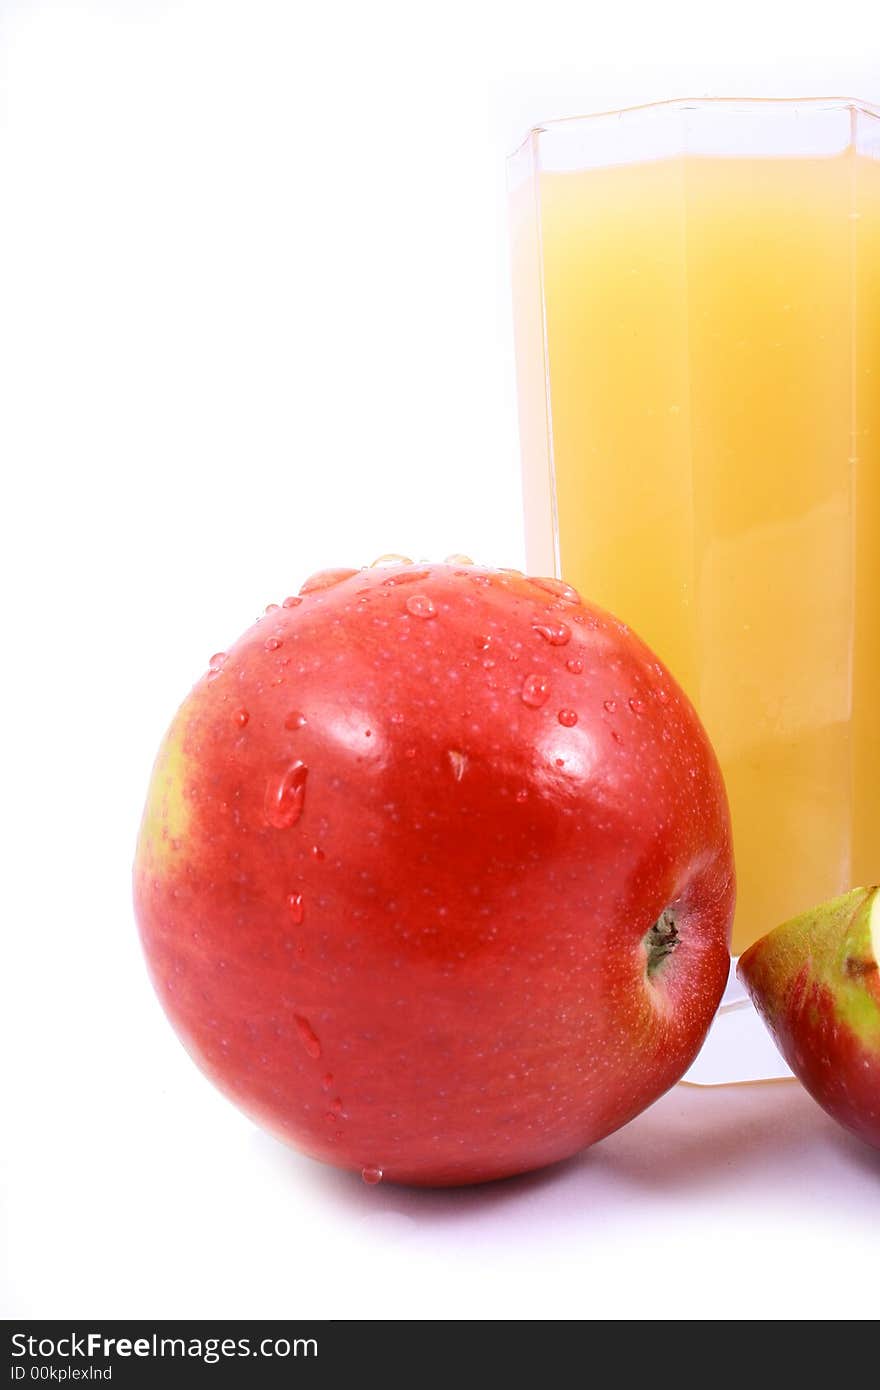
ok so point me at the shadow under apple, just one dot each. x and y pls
(766, 1139)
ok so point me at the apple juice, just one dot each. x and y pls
(697, 313)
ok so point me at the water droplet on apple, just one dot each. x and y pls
(420, 606)
(335, 1108)
(535, 690)
(327, 1081)
(371, 1176)
(637, 706)
(292, 601)
(567, 717)
(458, 763)
(307, 1036)
(609, 705)
(574, 665)
(557, 587)
(217, 662)
(285, 796)
(482, 642)
(317, 853)
(390, 560)
(271, 608)
(295, 720)
(662, 695)
(324, 579)
(521, 796)
(241, 717)
(557, 634)
(296, 907)
(458, 560)
(272, 644)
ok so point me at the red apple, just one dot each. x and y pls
(435, 874)
(816, 982)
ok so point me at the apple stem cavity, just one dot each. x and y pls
(660, 941)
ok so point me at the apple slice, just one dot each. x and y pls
(816, 982)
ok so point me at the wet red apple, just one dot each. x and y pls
(435, 877)
(816, 981)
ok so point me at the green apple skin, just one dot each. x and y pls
(815, 980)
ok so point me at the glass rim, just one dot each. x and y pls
(678, 104)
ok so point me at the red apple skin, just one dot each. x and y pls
(815, 982)
(394, 898)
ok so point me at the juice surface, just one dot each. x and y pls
(700, 410)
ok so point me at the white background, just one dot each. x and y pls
(254, 321)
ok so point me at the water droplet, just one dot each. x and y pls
(616, 736)
(521, 796)
(335, 1108)
(317, 853)
(272, 644)
(271, 608)
(217, 661)
(535, 690)
(609, 705)
(557, 587)
(637, 706)
(390, 560)
(408, 577)
(567, 717)
(560, 762)
(285, 795)
(296, 907)
(327, 1081)
(574, 665)
(458, 560)
(324, 579)
(420, 606)
(371, 1176)
(482, 642)
(458, 763)
(663, 695)
(295, 720)
(307, 1036)
(241, 717)
(292, 601)
(557, 634)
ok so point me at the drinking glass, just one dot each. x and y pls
(697, 320)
